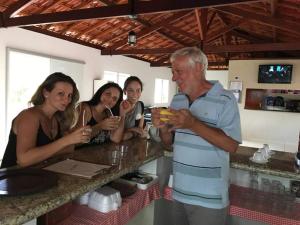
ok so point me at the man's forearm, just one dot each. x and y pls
(166, 136)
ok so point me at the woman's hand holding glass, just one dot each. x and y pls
(110, 123)
(80, 135)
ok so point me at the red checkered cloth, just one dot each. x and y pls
(83, 215)
(258, 206)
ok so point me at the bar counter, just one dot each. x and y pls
(280, 164)
(20, 209)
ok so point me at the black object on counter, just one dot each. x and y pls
(25, 181)
(138, 177)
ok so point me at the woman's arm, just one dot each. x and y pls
(27, 125)
(117, 135)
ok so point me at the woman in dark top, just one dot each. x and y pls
(105, 113)
(40, 132)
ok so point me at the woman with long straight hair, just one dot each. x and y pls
(105, 113)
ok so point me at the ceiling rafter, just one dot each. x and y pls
(219, 33)
(160, 62)
(140, 7)
(211, 19)
(94, 27)
(181, 32)
(153, 28)
(16, 7)
(168, 36)
(259, 18)
(147, 24)
(228, 38)
(201, 22)
(247, 36)
(271, 47)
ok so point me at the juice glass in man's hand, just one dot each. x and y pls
(164, 113)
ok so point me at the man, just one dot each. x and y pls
(206, 123)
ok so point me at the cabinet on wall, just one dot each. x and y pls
(273, 99)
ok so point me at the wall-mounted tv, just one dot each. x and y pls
(276, 73)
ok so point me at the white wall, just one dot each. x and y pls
(279, 129)
(93, 69)
(220, 75)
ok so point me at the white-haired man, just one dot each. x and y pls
(206, 124)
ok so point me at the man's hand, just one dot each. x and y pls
(155, 118)
(182, 119)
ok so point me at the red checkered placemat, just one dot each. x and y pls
(258, 206)
(83, 215)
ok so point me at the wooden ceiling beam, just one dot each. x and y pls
(146, 51)
(16, 7)
(270, 47)
(162, 61)
(259, 18)
(211, 19)
(202, 22)
(208, 49)
(140, 7)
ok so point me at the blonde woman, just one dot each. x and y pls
(41, 131)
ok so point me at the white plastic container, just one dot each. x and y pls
(105, 199)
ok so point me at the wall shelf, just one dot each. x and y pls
(284, 100)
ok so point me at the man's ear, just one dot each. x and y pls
(199, 67)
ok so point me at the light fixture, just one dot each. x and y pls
(131, 38)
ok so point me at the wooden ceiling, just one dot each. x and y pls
(224, 29)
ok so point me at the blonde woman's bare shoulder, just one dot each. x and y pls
(30, 115)
(27, 118)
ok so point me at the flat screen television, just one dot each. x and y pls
(276, 73)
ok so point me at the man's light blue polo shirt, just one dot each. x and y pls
(201, 170)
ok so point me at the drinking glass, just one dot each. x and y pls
(114, 157)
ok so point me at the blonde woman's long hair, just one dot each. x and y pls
(65, 118)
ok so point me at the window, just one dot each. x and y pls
(161, 93)
(118, 78)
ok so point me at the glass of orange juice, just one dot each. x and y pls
(165, 112)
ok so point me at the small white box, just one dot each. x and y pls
(105, 199)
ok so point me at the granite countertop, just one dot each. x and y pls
(280, 164)
(20, 209)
